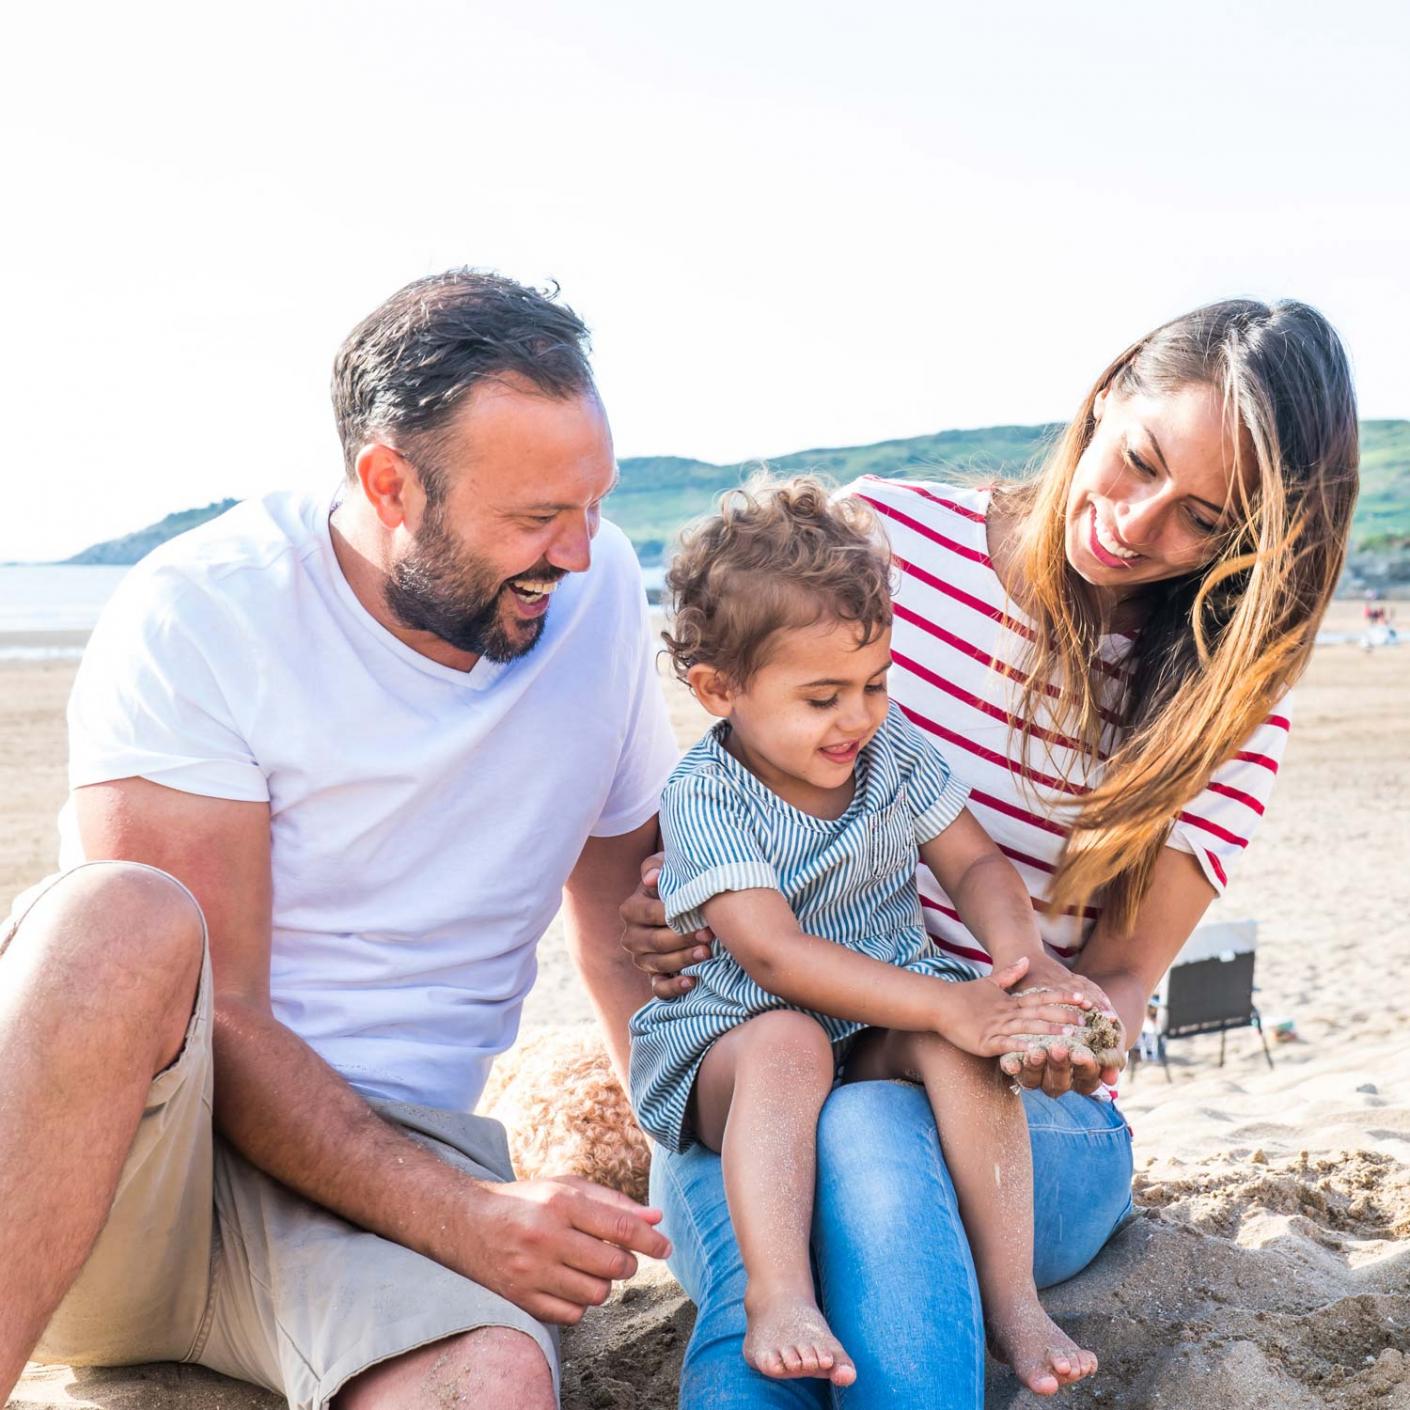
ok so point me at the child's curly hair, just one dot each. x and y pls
(780, 553)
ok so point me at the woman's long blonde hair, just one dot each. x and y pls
(1217, 648)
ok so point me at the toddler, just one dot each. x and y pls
(792, 831)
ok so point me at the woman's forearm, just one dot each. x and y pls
(1129, 998)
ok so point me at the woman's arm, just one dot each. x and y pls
(1128, 966)
(759, 929)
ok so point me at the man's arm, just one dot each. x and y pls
(540, 1244)
(606, 873)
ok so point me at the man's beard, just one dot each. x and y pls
(439, 588)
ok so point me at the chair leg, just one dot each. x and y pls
(1223, 1035)
(1164, 1059)
(1263, 1038)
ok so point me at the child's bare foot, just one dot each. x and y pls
(788, 1336)
(1041, 1354)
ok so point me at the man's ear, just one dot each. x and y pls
(386, 480)
(712, 689)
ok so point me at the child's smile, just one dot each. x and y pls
(808, 712)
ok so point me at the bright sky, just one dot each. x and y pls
(789, 224)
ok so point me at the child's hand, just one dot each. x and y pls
(981, 1017)
(1047, 973)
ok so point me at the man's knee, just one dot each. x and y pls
(118, 926)
(495, 1368)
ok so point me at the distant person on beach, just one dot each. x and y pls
(1104, 654)
(793, 830)
(1379, 617)
(334, 765)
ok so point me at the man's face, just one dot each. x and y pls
(524, 478)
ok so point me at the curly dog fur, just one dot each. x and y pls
(566, 1113)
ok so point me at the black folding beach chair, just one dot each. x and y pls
(1209, 995)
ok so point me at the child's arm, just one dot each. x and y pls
(759, 929)
(995, 907)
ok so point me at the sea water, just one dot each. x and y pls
(38, 600)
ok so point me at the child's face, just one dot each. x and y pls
(807, 713)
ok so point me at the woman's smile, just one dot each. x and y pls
(1106, 545)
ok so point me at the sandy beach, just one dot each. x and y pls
(1269, 1260)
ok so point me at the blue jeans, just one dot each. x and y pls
(894, 1273)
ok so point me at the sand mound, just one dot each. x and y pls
(1361, 1195)
(1252, 1283)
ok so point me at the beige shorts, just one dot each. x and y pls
(206, 1259)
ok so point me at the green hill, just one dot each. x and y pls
(1383, 511)
(130, 547)
(659, 494)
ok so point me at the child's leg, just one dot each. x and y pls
(984, 1135)
(756, 1101)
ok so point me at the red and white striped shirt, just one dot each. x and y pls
(952, 622)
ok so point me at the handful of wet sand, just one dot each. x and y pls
(1100, 1038)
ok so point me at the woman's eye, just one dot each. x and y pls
(1138, 465)
(823, 704)
(877, 688)
(1204, 526)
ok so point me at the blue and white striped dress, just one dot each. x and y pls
(851, 880)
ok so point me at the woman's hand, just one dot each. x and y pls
(1063, 1067)
(981, 1017)
(1059, 1071)
(652, 944)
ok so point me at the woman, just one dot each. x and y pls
(1104, 654)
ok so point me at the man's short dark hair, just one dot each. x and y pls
(403, 371)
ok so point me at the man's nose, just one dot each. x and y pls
(572, 548)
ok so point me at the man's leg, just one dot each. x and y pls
(97, 985)
(492, 1368)
(329, 1314)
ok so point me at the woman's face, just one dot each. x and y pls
(1152, 492)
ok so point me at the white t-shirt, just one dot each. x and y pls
(424, 819)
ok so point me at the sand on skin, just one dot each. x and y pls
(1253, 1274)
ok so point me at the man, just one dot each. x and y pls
(364, 752)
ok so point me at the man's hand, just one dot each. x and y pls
(652, 944)
(554, 1247)
(981, 1017)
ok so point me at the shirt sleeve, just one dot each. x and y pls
(1219, 823)
(711, 847)
(935, 795)
(146, 703)
(649, 750)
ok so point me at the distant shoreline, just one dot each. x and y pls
(45, 639)
(1342, 627)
